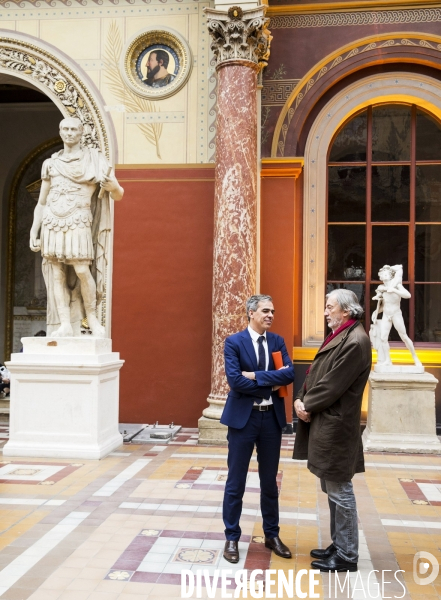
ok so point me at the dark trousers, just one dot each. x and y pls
(264, 431)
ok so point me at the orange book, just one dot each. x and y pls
(278, 363)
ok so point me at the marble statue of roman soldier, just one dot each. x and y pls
(71, 229)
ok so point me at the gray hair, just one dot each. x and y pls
(253, 302)
(348, 301)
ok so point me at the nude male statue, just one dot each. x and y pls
(71, 227)
(389, 295)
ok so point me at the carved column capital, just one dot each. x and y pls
(240, 35)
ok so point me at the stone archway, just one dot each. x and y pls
(20, 194)
(64, 82)
(73, 92)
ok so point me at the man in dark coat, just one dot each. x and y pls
(328, 434)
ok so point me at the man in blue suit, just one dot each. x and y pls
(255, 415)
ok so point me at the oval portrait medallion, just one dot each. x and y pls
(156, 63)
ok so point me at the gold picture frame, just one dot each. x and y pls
(156, 63)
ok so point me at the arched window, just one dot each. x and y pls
(384, 207)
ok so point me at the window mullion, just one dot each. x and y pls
(412, 228)
(368, 218)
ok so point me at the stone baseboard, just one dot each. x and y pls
(409, 444)
(212, 432)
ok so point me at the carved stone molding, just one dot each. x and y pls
(357, 18)
(307, 85)
(244, 36)
(54, 78)
(85, 3)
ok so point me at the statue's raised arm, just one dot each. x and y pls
(396, 283)
(389, 295)
(71, 228)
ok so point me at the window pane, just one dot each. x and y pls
(427, 313)
(347, 194)
(428, 192)
(390, 193)
(350, 143)
(346, 251)
(404, 306)
(391, 132)
(428, 137)
(389, 247)
(428, 253)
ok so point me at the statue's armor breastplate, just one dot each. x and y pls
(68, 204)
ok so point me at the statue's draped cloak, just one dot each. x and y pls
(90, 168)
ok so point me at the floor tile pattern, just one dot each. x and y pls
(209, 478)
(41, 473)
(31, 556)
(123, 528)
(423, 491)
(159, 556)
(187, 437)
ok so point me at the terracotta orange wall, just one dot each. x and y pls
(280, 260)
(162, 279)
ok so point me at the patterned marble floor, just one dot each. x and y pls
(124, 528)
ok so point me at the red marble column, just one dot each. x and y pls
(240, 42)
(235, 216)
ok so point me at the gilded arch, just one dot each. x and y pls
(64, 82)
(391, 47)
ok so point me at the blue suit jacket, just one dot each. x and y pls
(240, 356)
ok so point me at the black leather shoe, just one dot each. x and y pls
(334, 564)
(278, 547)
(322, 554)
(231, 551)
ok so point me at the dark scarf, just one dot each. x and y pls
(331, 336)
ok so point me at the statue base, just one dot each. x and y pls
(401, 414)
(64, 398)
(212, 432)
(399, 369)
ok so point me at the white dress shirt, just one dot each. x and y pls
(254, 337)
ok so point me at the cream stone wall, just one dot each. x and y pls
(183, 124)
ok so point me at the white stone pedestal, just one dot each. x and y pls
(64, 398)
(401, 414)
(399, 369)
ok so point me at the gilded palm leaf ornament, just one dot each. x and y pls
(132, 102)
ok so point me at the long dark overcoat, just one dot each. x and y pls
(332, 393)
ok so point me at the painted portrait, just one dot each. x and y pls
(157, 66)
(156, 63)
